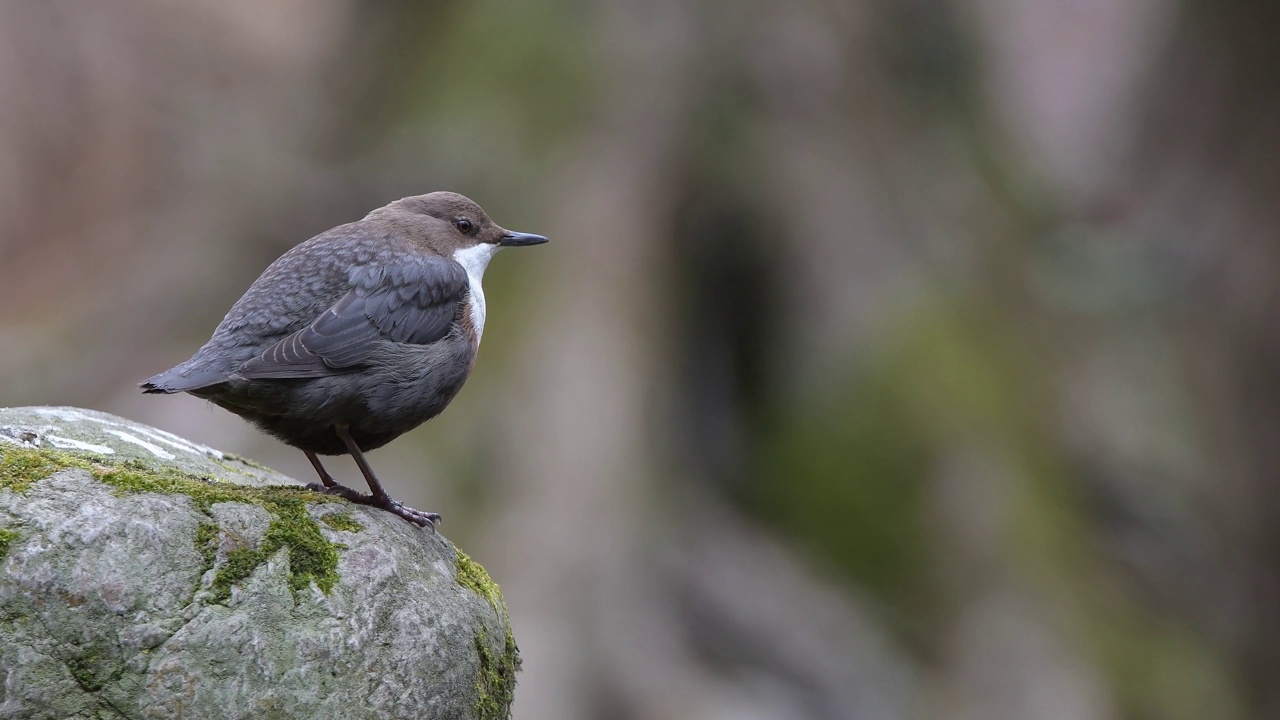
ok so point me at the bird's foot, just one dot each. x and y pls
(385, 502)
(417, 517)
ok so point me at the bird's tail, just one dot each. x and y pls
(149, 386)
(181, 379)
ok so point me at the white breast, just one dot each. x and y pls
(475, 259)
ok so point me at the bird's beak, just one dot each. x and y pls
(517, 239)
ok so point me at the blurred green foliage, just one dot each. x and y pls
(847, 478)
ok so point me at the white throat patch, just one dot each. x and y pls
(474, 260)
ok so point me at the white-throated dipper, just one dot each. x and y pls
(356, 336)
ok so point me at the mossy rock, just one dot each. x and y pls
(189, 583)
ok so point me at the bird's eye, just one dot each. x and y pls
(463, 225)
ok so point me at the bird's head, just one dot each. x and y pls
(455, 226)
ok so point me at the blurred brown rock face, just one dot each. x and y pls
(950, 323)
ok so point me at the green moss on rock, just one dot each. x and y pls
(311, 557)
(240, 564)
(19, 467)
(207, 544)
(7, 536)
(472, 575)
(342, 521)
(496, 684)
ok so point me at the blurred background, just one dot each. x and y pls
(891, 359)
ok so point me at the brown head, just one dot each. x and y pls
(448, 223)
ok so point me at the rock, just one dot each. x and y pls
(145, 576)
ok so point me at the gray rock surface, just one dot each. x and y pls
(144, 576)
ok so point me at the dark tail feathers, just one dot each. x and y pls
(179, 379)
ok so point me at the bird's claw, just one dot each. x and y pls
(417, 517)
(386, 502)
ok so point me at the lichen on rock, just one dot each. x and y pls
(208, 586)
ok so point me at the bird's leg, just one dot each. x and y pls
(331, 486)
(325, 477)
(377, 497)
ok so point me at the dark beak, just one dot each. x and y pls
(518, 239)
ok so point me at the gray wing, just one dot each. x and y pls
(413, 302)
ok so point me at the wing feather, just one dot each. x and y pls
(412, 302)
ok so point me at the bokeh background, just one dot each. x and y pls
(891, 359)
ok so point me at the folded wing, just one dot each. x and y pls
(414, 302)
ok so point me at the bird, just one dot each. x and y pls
(356, 336)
